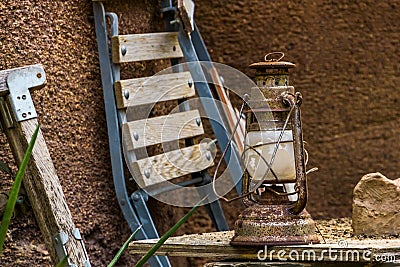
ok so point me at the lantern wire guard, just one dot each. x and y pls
(274, 215)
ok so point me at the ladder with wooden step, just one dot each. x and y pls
(127, 98)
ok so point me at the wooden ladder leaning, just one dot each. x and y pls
(19, 120)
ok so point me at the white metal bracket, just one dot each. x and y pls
(61, 239)
(19, 82)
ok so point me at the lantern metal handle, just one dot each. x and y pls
(266, 58)
(294, 102)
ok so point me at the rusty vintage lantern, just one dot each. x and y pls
(274, 180)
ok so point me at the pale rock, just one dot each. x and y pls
(376, 206)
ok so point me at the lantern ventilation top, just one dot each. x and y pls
(272, 62)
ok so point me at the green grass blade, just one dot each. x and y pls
(124, 246)
(63, 262)
(164, 238)
(4, 167)
(12, 199)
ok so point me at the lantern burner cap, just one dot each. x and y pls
(273, 63)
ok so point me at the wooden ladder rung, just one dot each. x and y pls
(148, 90)
(170, 165)
(162, 129)
(147, 46)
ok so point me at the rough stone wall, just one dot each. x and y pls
(347, 55)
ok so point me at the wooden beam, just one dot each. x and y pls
(146, 46)
(238, 263)
(162, 129)
(41, 182)
(216, 245)
(267, 264)
(149, 90)
(170, 165)
(231, 114)
(186, 11)
(44, 190)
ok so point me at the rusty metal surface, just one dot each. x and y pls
(272, 77)
(272, 65)
(272, 71)
(271, 218)
(301, 179)
(273, 225)
(272, 60)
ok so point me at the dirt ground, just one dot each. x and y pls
(346, 53)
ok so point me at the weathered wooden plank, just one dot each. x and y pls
(153, 89)
(231, 114)
(267, 264)
(41, 182)
(4, 75)
(44, 190)
(147, 46)
(173, 164)
(186, 11)
(162, 129)
(216, 245)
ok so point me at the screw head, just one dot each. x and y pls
(123, 50)
(208, 155)
(190, 83)
(222, 80)
(136, 136)
(147, 173)
(76, 234)
(135, 197)
(126, 94)
(198, 121)
(172, 22)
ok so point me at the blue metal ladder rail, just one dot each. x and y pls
(114, 135)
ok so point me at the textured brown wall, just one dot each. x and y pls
(347, 55)
(60, 35)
